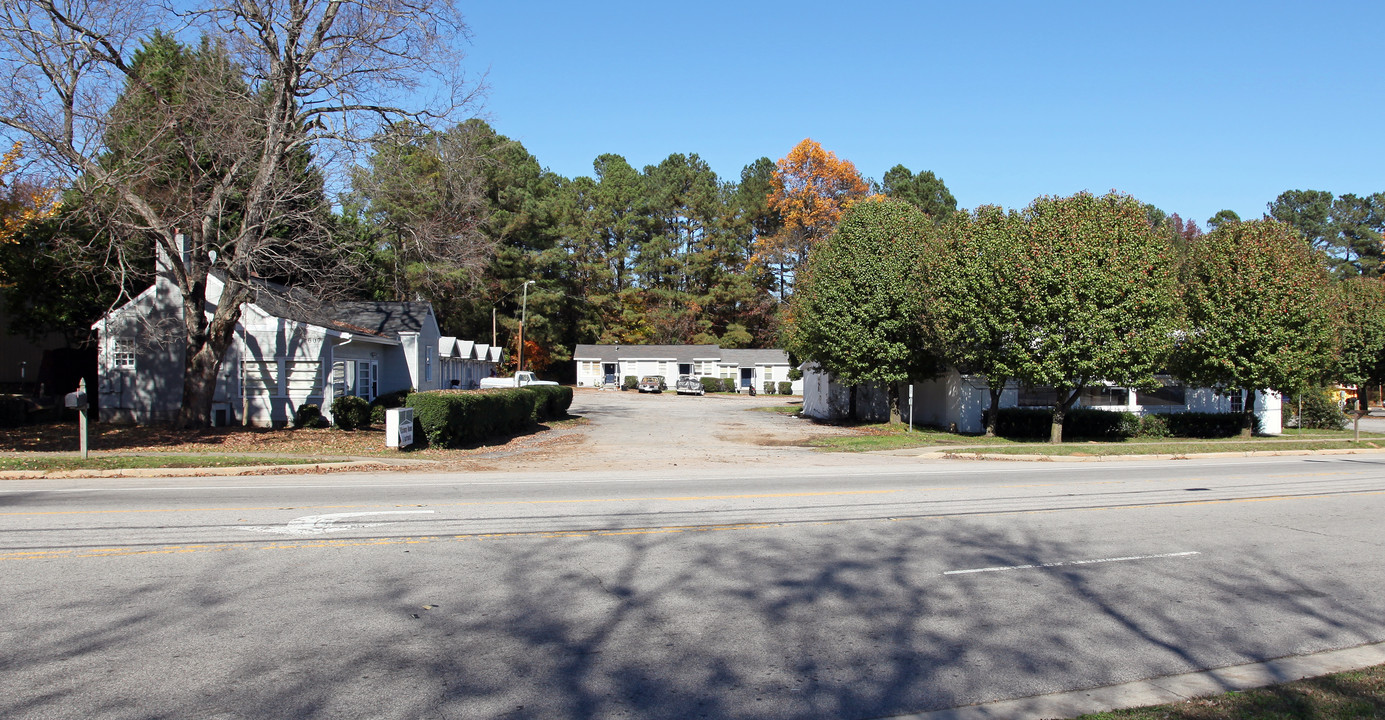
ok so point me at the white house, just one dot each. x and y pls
(465, 362)
(602, 365)
(288, 349)
(954, 400)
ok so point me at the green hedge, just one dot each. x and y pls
(785, 387)
(453, 419)
(631, 382)
(1207, 425)
(1093, 424)
(710, 384)
(769, 387)
(728, 385)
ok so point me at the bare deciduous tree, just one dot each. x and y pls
(219, 160)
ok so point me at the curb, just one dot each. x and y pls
(1168, 689)
(944, 455)
(193, 471)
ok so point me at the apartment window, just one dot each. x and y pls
(123, 353)
(302, 376)
(1037, 396)
(1099, 396)
(1167, 396)
(260, 377)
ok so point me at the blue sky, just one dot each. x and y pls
(1191, 106)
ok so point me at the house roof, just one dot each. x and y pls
(755, 357)
(680, 353)
(380, 319)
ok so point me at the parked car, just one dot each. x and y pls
(523, 378)
(652, 383)
(689, 385)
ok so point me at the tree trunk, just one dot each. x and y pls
(851, 404)
(204, 350)
(895, 416)
(992, 415)
(1060, 411)
(1248, 421)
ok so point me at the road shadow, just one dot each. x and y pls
(817, 620)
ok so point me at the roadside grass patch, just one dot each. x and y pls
(779, 409)
(140, 462)
(1353, 695)
(885, 436)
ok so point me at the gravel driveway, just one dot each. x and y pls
(631, 431)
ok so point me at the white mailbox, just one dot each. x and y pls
(399, 427)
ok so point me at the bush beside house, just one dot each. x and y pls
(457, 419)
(1092, 424)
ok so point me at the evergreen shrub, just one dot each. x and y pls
(1320, 412)
(631, 382)
(308, 415)
(350, 412)
(769, 387)
(785, 387)
(1154, 426)
(728, 385)
(710, 384)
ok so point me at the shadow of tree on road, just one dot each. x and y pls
(829, 620)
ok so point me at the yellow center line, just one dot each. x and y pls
(673, 498)
(73, 553)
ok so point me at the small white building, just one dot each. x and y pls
(603, 365)
(288, 349)
(465, 363)
(957, 401)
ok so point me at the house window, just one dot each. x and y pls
(1037, 396)
(365, 385)
(428, 363)
(123, 353)
(302, 377)
(341, 379)
(1167, 396)
(1238, 402)
(260, 377)
(1099, 396)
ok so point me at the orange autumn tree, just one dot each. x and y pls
(810, 190)
(20, 203)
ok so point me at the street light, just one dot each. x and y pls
(523, 312)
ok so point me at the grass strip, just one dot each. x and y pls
(886, 437)
(137, 462)
(1352, 695)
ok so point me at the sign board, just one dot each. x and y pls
(399, 427)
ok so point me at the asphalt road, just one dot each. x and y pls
(723, 592)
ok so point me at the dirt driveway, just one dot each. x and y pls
(631, 431)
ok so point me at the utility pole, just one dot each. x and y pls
(523, 313)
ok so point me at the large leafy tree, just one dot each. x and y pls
(973, 299)
(810, 191)
(1098, 302)
(1256, 298)
(857, 305)
(318, 74)
(925, 191)
(1358, 309)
